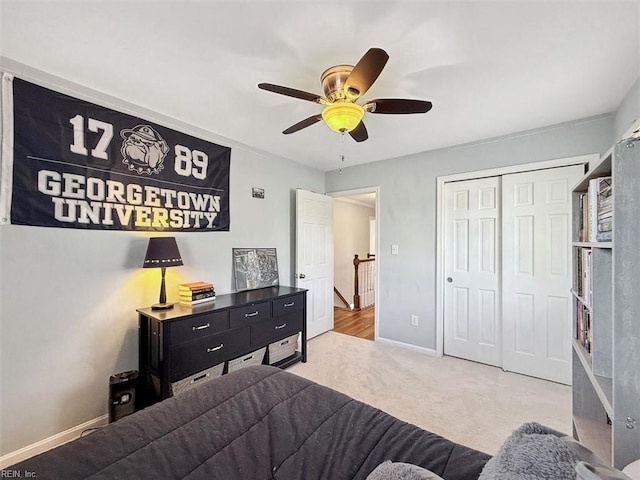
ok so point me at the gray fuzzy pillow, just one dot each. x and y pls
(532, 452)
(401, 471)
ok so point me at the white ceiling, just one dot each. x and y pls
(490, 68)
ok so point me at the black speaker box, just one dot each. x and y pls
(122, 394)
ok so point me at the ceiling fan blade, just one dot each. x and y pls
(365, 72)
(290, 92)
(307, 122)
(359, 134)
(397, 106)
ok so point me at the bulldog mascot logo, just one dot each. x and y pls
(143, 149)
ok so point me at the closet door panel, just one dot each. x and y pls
(536, 283)
(472, 271)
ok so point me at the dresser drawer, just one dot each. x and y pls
(240, 317)
(198, 326)
(286, 305)
(189, 358)
(272, 330)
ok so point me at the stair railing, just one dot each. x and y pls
(364, 281)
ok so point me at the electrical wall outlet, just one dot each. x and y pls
(414, 320)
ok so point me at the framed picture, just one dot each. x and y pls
(255, 268)
(257, 192)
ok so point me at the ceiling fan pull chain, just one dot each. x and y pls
(341, 155)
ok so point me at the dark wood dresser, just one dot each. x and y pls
(187, 344)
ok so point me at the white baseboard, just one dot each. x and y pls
(51, 442)
(395, 343)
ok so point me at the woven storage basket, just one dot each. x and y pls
(196, 379)
(191, 381)
(253, 358)
(283, 348)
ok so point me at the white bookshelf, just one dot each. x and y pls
(606, 379)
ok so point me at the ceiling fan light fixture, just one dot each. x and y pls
(343, 116)
(343, 85)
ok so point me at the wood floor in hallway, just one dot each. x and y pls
(357, 323)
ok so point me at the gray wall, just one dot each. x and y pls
(629, 110)
(68, 297)
(407, 216)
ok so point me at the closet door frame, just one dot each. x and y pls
(440, 205)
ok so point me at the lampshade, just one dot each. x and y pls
(342, 116)
(162, 252)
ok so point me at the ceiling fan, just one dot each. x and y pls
(343, 85)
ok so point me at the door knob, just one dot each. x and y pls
(302, 275)
(449, 279)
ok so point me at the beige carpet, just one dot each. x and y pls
(469, 403)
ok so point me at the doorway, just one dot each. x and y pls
(504, 263)
(355, 233)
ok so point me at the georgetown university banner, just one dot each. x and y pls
(70, 163)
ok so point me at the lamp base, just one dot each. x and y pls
(162, 306)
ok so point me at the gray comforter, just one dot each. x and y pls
(254, 424)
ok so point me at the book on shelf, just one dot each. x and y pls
(191, 286)
(585, 292)
(592, 195)
(582, 274)
(197, 295)
(579, 325)
(583, 327)
(190, 303)
(584, 218)
(604, 231)
(605, 236)
(587, 330)
(195, 291)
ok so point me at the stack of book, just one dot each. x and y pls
(596, 222)
(196, 293)
(604, 232)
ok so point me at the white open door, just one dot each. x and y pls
(536, 272)
(314, 258)
(472, 320)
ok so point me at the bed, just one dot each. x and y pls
(257, 423)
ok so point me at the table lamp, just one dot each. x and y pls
(162, 252)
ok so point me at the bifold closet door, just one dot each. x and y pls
(536, 272)
(472, 327)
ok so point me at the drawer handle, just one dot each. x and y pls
(201, 327)
(209, 350)
(278, 327)
(204, 375)
(286, 305)
(250, 314)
